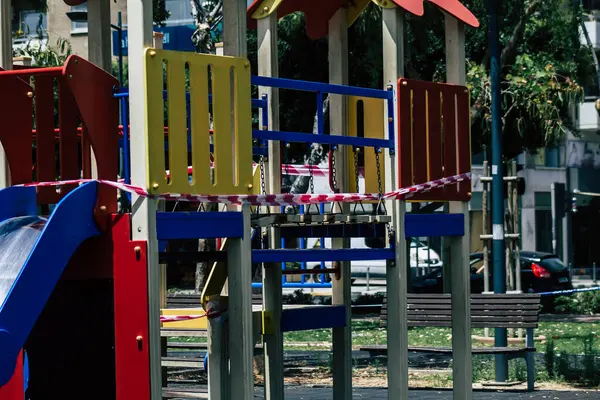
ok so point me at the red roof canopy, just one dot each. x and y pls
(319, 12)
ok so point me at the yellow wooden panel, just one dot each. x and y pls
(155, 121)
(266, 8)
(231, 120)
(177, 123)
(374, 127)
(355, 9)
(200, 122)
(199, 323)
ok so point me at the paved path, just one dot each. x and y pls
(301, 393)
(325, 393)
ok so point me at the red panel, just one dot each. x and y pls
(454, 7)
(419, 122)
(464, 140)
(434, 118)
(86, 154)
(404, 139)
(449, 134)
(15, 388)
(67, 125)
(45, 150)
(15, 135)
(454, 137)
(132, 361)
(318, 12)
(93, 91)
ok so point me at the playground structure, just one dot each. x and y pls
(86, 303)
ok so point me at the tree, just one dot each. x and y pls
(544, 67)
(207, 14)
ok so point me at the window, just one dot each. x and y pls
(547, 157)
(33, 23)
(79, 26)
(180, 12)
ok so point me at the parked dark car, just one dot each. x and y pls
(540, 272)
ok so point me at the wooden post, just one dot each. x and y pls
(459, 257)
(6, 63)
(341, 287)
(144, 209)
(239, 269)
(268, 65)
(241, 382)
(234, 33)
(396, 272)
(218, 360)
(99, 34)
(485, 220)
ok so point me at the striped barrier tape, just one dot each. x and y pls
(570, 291)
(274, 199)
(289, 169)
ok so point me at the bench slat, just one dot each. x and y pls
(382, 349)
(474, 324)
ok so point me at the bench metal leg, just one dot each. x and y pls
(530, 360)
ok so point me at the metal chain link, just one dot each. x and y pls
(263, 183)
(356, 172)
(379, 185)
(333, 171)
(381, 204)
(286, 160)
(312, 179)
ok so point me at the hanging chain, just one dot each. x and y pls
(263, 183)
(379, 185)
(381, 204)
(286, 159)
(356, 172)
(312, 179)
(333, 171)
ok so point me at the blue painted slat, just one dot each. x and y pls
(309, 86)
(323, 139)
(196, 225)
(295, 255)
(17, 202)
(434, 225)
(307, 318)
(70, 224)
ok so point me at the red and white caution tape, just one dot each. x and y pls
(177, 318)
(277, 199)
(288, 169)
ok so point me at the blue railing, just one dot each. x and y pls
(263, 135)
(123, 96)
(319, 89)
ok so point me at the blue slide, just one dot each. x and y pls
(34, 252)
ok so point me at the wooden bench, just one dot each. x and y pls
(487, 311)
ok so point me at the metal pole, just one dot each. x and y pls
(594, 272)
(500, 339)
(120, 40)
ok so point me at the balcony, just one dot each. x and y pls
(588, 116)
(593, 29)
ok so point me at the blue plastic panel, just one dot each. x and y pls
(430, 225)
(296, 285)
(319, 317)
(323, 139)
(276, 256)
(196, 225)
(294, 84)
(17, 202)
(71, 223)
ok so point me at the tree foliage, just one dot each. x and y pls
(543, 64)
